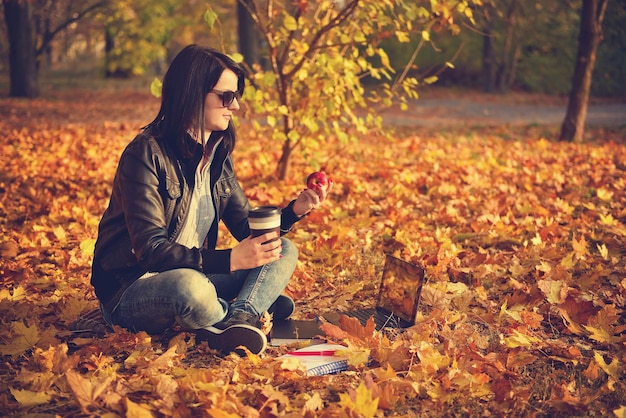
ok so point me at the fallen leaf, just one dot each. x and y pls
(86, 391)
(360, 401)
(30, 398)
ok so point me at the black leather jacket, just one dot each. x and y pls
(149, 201)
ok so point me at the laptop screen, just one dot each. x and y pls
(400, 288)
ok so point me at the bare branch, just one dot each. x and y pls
(48, 36)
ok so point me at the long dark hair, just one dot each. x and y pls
(190, 77)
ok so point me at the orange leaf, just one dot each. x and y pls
(85, 390)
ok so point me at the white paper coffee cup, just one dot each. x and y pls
(263, 219)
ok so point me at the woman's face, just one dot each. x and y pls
(216, 115)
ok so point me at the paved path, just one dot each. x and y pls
(472, 112)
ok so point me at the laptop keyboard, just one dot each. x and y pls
(382, 321)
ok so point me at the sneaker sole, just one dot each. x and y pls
(228, 340)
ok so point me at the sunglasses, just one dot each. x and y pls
(227, 96)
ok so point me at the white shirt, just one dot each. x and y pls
(201, 212)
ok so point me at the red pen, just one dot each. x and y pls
(313, 353)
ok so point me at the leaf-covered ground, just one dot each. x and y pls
(523, 239)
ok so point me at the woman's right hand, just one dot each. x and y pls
(254, 252)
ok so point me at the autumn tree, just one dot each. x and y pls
(319, 54)
(137, 32)
(31, 26)
(589, 38)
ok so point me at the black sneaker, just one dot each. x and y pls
(235, 331)
(282, 308)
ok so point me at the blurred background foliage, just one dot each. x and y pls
(533, 43)
(542, 51)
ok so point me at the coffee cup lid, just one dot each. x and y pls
(263, 211)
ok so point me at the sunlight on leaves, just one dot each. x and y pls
(521, 239)
(360, 401)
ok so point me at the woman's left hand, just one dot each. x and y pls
(310, 199)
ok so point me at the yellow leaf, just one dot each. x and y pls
(610, 369)
(514, 312)
(518, 339)
(403, 37)
(604, 252)
(24, 337)
(599, 335)
(135, 410)
(580, 247)
(620, 412)
(607, 220)
(18, 294)
(361, 403)
(87, 246)
(155, 87)
(456, 289)
(237, 57)
(291, 364)
(384, 58)
(356, 356)
(431, 358)
(604, 194)
(568, 261)
(210, 17)
(385, 374)
(555, 291)
(290, 23)
(314, 403)
(425, 35)
(30, 398)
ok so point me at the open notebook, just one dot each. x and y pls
(398, 297)
(320, 359)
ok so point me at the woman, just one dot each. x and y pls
(155, 263)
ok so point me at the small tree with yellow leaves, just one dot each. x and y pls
(320, 52)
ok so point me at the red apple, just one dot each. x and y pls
(318, 179)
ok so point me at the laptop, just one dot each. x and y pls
(398, 297)
(396, 307)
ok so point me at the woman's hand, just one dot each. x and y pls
(254, 252)
(310, 199)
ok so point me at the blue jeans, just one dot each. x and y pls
(194, 300)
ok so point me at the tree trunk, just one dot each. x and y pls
(22, 59)
(489, 62)
(248, 35)
(282, 168)
(589, 38)
(109, 44)
(507, 56)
